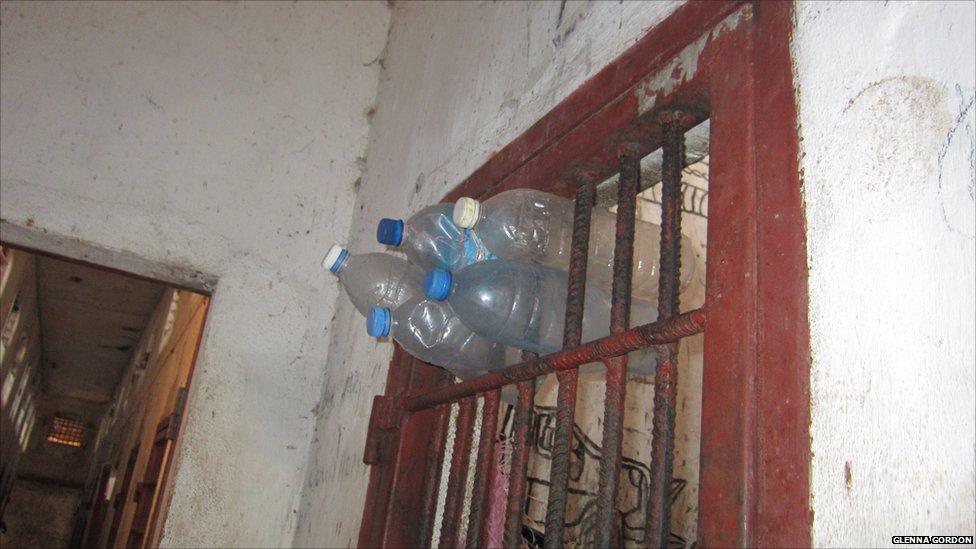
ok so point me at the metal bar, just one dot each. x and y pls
(484, 472)
(414, 449)
(520, 460)
(654, 333)
(458, 479)
(697, 139)
(658, 528)
(616, 387)
(372, 529)
(566, 397)
(432, 472)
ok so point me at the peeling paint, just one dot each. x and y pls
(683, 66)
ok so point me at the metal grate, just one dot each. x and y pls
(752, 482)
(612, 350)
(66, 431)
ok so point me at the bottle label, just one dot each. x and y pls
(474, 249)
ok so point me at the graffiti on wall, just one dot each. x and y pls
(583, 474)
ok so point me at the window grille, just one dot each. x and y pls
(725, 62)
(66, 431)
(670, 327)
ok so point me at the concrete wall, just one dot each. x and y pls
(460, 81)
(888, 151)
(215, 137)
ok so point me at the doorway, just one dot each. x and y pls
(95, 369)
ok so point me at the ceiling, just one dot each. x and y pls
(91, 320)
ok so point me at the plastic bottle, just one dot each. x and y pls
(524, 306)
(374, 280)
(537, 227)
(596, 324)
(431, 239)
(430, 331)
(518, 304)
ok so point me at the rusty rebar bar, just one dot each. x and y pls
(517, 480)
(616, 385)
(457, 481)
(562, 444)
(432, 473)
(484, 473)
(657, 532)
(654, 333)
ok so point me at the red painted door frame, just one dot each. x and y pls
(146, 492)
(755, 452)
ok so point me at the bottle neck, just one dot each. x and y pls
(482, 217)
(343, 267)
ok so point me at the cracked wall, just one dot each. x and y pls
(215, 137)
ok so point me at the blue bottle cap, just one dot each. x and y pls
(378, 322)
(390, 231)
(437, 284)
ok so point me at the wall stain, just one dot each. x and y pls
(848, 477)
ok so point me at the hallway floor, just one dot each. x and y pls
(39, 514)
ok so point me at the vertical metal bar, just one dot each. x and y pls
(566, 397)
(457, 481)
(432, 476)
(484, 472)
(613, 404)
(414, 455)
(666, 378)
(520, 462)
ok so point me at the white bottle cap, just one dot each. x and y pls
(335, 253)
(466, 212)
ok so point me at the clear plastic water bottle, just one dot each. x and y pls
(430, 331)
(537, 227)
(374, 280)
(431, 239)
(518, 304)
(596, 324)
(524, 306)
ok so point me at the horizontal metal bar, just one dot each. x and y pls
(655, 333)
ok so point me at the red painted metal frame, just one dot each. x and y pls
(754, 479)
(403, 478)
(477, 535)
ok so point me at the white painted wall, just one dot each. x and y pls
(461, 81)
(218, 137)
(887, 119)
